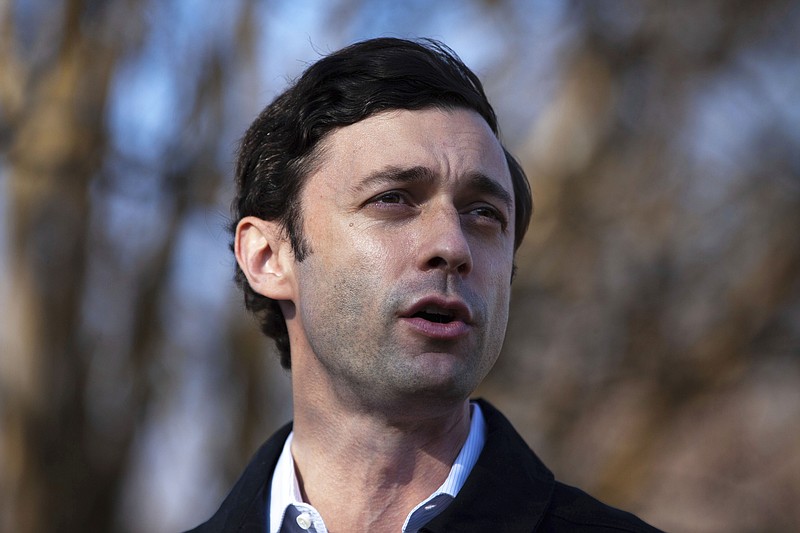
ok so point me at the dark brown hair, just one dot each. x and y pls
(278, 150)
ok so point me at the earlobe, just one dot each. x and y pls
(265, 257)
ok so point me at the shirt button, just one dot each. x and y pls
(304, 520)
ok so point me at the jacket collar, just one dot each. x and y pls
(508, 490)
(246, 507)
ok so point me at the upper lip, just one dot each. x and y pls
(455, 308)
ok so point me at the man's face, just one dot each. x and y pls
(409, 219)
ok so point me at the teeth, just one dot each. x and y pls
(434, 310)
(435, 313)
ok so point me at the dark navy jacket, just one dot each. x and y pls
(508, 491)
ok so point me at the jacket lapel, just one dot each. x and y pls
(246, 508)
(508, 490)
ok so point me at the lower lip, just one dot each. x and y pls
(435, 330)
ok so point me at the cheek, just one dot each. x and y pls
(494, 263)
(494, 274)
(380, 250)
(358, 255)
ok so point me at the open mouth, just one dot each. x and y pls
(435, 314)
(439, 318)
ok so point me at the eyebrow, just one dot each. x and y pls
(486, 185)
(396, 175)
(392, 175)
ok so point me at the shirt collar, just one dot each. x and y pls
(285, 490)
(462, 466)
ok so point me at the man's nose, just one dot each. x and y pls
(443, 244)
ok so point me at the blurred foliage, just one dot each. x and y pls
(653, 354)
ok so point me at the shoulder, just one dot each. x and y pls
(528, 486)
(571, 509)
(245, 507)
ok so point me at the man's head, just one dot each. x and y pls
(285, 144)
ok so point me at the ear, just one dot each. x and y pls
(265, 256)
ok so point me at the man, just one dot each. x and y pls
(376, 223)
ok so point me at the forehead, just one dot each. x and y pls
(450, 143)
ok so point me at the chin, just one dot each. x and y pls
(448, 387)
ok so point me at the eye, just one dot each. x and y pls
(486, 212)
(391, 197)
(392, 203)
(489, 213)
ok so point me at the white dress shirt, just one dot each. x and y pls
(285, 494)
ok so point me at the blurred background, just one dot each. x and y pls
(653, 354)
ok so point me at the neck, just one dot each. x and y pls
(365, 468)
